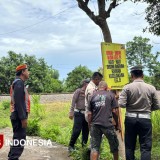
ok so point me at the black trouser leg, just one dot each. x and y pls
(130, 137)
(19, 134)
(85, 132)
(145, 138)
(77, 126)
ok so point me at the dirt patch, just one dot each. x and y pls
(49, 151)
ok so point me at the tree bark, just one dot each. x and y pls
(106, 32)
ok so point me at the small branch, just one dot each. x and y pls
(111, 6)
(84, 6)
(86, 2)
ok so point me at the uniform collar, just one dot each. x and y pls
(18, 78)
(138, 80)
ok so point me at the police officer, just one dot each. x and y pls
(139, 99)
(77, 111)
(20, 107)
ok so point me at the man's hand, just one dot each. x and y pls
(89, 119)
(24, 123)
(118, 128)
(71, 115)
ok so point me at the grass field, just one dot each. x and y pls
(50, 121)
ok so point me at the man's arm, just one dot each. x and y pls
(155, 101)
(74, 101)
(89, 112)
(123, 98)
(89, 119)
(20, 106)
(115, 112)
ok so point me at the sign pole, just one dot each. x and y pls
(116, 75)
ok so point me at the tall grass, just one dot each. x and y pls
(51, 121)
(155, 118)
(4, 114)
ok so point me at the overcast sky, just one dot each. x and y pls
(62, 34)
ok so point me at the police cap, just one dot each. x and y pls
(137, 68)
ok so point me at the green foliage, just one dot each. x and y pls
(33, 127)
(51, 132)
(152, 15)
(41, 75)
(53, 86)
(7, 67)
(55, 74)
(6, 104)
(4, 115)
(139, 52)
(76, 76)
(38, 113)
(56, 125)
(4, 124)
(81, 153)
(156, 76)
(37, 108)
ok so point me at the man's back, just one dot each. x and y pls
(139, 96)
(101, 105)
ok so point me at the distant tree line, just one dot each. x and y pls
(45, 79)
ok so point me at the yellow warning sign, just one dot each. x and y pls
(114, 65)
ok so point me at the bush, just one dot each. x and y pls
(81, 153)
(4, 123)
(33, 127)
(50, 132)
(6, 104)
(37, 108)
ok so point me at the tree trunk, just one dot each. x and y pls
(106, 32)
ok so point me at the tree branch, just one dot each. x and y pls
(84, 6)
(111, 6)
(101, 8)
(86, 2)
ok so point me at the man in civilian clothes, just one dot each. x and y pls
(92, 87)
(20, 107)
(100, 107)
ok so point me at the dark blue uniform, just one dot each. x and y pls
(18, 113)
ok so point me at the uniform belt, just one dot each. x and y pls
(138, 115)
(80, 111)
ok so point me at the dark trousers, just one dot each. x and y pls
(138, 127)
(79, 125)
(19, 133)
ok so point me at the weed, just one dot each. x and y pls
(5, 104)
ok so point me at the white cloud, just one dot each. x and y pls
(67, 39)
(16, 41)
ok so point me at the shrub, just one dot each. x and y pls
(37, 108)
(6, 104)
(50, 132)
(33, 127)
